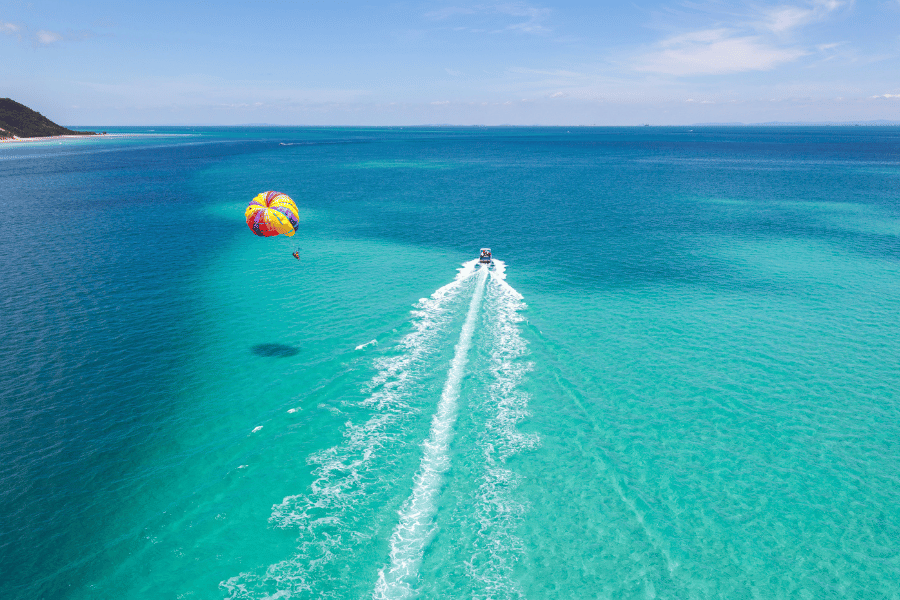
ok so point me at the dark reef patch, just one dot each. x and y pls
(274, 350)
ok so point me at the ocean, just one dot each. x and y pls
(679, 380)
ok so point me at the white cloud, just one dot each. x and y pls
(43, 36)
(785, 18)
(534, 17)
(715, 51)
(440, 102)
(782, 19)
(887, 96)
(48, 37)
(757, 40)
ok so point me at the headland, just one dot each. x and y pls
(18, 123)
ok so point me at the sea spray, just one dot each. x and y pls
(414, 530)
(328, 517)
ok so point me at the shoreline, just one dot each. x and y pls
(50, 138)
(15, 139)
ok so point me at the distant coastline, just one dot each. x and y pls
(876, 123)
(6, 138)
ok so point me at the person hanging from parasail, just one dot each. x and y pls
(273, 213)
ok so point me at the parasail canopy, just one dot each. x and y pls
(272, 213)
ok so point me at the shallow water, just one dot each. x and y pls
(679, 381)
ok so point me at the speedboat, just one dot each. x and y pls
(485, 257)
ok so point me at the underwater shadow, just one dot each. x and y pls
(274, 350)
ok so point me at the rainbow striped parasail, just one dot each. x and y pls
(272, 213)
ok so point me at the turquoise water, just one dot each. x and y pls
(678, 381)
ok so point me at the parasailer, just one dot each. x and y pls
(273, 213)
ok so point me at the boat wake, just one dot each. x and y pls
(343, 519)
(415, 527)
(492, 512)
(496, 511)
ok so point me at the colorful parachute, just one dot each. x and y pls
(271, 213)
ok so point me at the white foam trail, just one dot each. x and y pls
(367, 344)
(325, 516)
(498, 274)
(429, 313)
(413, 532)
(497, 512)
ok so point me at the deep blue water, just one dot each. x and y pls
(688, 391)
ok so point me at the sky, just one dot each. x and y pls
(104, 62)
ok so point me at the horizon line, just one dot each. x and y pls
(874, 122)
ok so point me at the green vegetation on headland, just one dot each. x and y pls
(17, 120)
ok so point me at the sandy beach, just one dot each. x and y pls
(52, 137)
(78, 137)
